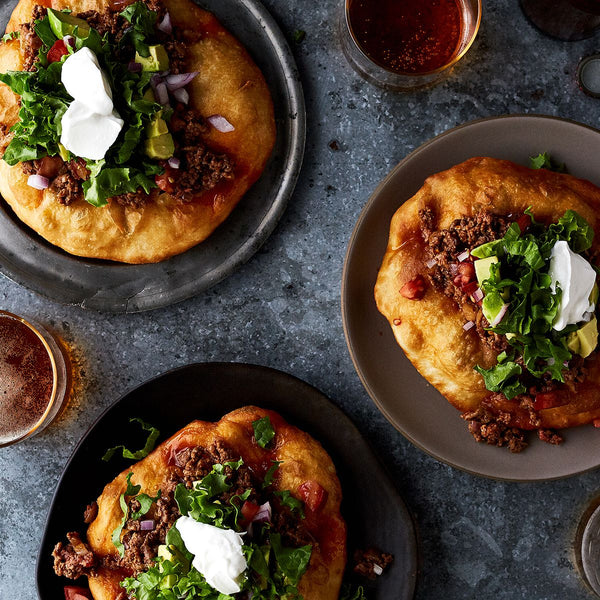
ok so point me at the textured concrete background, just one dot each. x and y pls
(478, 538)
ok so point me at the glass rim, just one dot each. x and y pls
(41, 334)
(405, 74)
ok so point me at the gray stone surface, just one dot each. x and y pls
(478, 538)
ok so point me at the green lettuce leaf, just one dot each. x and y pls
(138, 454)
(263, 431)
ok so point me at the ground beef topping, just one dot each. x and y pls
(201, 169)
(140, 547)
(371, 562)
(456, 279)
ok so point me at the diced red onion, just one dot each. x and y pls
(155, 80)
(162, 95)
(220, 123)
(468, 325)
(431, 263)
(179, 80)
(147, 525)
(165, 25)
(477, 295)
(174, 163)
(463, 256)
(550, 362)
(263, 514)
(377, 570)
(181, 95)
(500, 315)
(134, 67)
(69, 40)
(39, 182)
(566, 364)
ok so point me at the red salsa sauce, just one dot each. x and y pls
(407, 36)
(26, 379)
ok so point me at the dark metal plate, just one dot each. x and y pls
(372, 507)
(106, 286)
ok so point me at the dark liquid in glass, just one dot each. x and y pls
(407, 36)
(26, 379)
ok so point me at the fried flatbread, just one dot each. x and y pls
(228, 84)
(430, 330)
(303, 459)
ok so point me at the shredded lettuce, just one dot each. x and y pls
(521, 275)
(138, 454)
(44, 101)
(274, 570)
(263, 431)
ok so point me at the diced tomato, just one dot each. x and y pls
(58, 50)
(596, 422)
(465, 273)
(313, 494)
(73, 592)
(249, 510)
(524, 221)
(414, 289)
(49, 166)
(166, 180)
(546, 400)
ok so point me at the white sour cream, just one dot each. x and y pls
(90, 126)
(576, 278)
(217, 553)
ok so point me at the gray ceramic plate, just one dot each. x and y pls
(30, 261)
(414, 407)
(373, 509)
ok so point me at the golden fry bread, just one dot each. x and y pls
(430, 329)
(228, 84)
(303, 459)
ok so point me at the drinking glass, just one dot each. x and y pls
(385, 77)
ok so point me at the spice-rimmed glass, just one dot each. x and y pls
(383, 76)
(34, 378)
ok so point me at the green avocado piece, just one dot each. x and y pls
(64, 24)
(594, 294)
(588, 338)
(156, 127)
(157, 61)
(491, 306)
(483, 268)
(161, 146)
(573, 342)
(149, 95)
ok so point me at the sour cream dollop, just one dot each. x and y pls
(90, 126)
(576, 278)
(217, 553)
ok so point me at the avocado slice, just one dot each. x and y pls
(594, 294)
(588, 338)
(161, 146)
(156, 127)
(483, 268)
(491, 306)
(158, 60)
(64, 24)
(573, 342)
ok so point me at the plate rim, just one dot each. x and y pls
(295, 124)
(351, 345)
(407, 515)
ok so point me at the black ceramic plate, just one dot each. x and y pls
(414, 407)
(29, 260)
(373, 509)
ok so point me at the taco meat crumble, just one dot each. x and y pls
(200, 169)
(447, 274)
(75, 559)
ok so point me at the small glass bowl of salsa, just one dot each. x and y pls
(406, 44)
(34, 378)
